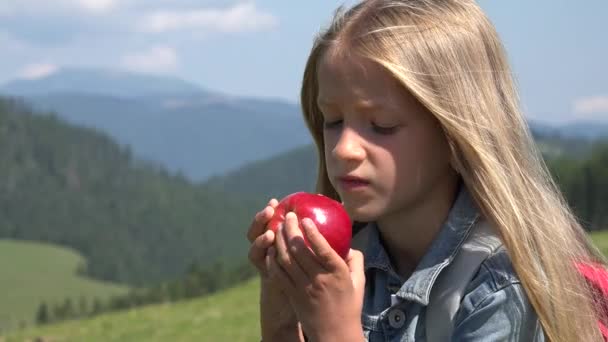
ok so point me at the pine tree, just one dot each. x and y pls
(42, 315)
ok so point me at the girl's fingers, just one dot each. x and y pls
(276, 274)
(285, 260)
(259, 248)
(258, 225)
(356, 266)
(355, 263)
(298, 249)
(326, 256)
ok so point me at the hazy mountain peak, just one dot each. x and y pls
(112, 82)
(586, 129)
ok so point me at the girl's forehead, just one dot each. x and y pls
(344, 65)
(355, 82)
(352, 75)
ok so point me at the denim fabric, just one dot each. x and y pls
(494, 308)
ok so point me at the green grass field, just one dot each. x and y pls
(600, 239)
(36, 272)
(231, 315)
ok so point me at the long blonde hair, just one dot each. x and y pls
(449, 56)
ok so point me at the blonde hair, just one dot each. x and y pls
(449, 56)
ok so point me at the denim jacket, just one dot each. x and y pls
(494, 307)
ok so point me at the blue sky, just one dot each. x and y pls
(558, 48)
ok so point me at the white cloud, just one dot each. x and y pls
(37, 70)
(14, 7)
(156, 59)
(591, 105)
(98, 6)
(238, 18)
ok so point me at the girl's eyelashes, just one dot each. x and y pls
(384, 130)
(379, 129)
(332, 124)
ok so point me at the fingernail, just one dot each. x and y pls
(307, 222)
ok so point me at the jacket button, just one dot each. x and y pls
(396, 318)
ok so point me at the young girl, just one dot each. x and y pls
(419, 134)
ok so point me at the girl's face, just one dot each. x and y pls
(385, 152)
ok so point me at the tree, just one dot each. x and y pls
(82, 306)
(42, 315)
(97, 307)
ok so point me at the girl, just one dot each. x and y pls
(419, 134)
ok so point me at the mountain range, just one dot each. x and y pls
(175, 123)
(135, 222)
(187, 128)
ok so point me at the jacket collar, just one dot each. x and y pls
(440, 254)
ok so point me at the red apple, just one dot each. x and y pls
(328, 215)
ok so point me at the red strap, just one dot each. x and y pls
(604, 330)
(597, 276)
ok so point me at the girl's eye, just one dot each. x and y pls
(383, 130)
(332, 124)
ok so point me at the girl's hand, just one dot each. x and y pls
(325, 291)
(261, 238)
(278, 321)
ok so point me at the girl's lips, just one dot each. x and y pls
(353, 183)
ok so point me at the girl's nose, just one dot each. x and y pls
(349, 146)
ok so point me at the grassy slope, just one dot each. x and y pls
(231, 315)
(601, 241)
(36, 272)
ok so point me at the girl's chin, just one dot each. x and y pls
(360, 214)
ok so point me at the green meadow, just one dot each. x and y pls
(230, 315)
(33, 273)
(600, 239)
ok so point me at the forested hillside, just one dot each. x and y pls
(133, 221)
(139, 224)
(580, 167)
(585, 184)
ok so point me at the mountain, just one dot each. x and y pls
(133, 221)
(109, 82)
(274, 177)
(188, 129)
(585, 130)
(171, 122)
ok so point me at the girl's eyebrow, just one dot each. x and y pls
(368, 105)
(361, 105)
